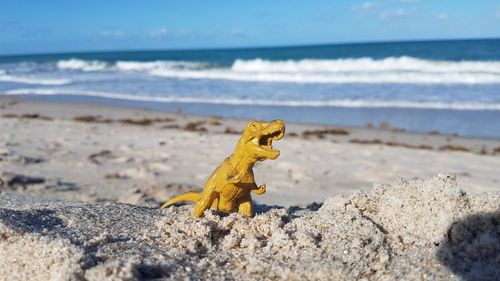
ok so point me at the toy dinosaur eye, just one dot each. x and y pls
(252, 126)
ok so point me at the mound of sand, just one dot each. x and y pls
(411, 230)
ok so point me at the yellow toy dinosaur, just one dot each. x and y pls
(228, 188)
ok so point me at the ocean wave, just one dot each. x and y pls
(363, 65)
(399, 70)
(261, 102)
(32, 80)
(83, 65)
(128, 66)
(159, 65)
(336, 78)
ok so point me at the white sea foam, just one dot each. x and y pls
(32, 80)
(337, 78)
(361, 65)
(157, 65)
(137, 66)
(293, 103)
(83, 65)
(403, 70)
(399, 70)
(140, 66)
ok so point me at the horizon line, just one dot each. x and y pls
(248, 47)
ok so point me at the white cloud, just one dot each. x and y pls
(442, 16)
(116, 34)
(363, 7)
(237, 32)
(393, 14)
(160, 32)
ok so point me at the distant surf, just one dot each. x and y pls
(263, 102)
(433, 75)
(401, 70)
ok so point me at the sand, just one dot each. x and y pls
(92, 153)
(80, 187)
(411, 230)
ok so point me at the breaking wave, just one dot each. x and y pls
(391, 64)
(32, 80)
(399, 70)
(83, 65)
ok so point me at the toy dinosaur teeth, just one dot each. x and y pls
(267, 138)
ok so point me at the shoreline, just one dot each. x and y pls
(385, 129)
(481, 124)
(92, 152)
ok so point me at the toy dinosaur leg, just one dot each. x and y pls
(226, 206)
(244, 206)
(215, 203)
(189, 196)
(206, 200)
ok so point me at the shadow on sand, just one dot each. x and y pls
(471, 249)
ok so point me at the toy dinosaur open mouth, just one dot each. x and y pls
(269, 135)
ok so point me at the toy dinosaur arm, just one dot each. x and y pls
(260, 190)
(233, 180)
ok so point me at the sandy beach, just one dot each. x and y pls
(81, 185)
(257, 140)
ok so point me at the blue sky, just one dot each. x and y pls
(40, 26)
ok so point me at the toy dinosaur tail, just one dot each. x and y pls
(189, 196)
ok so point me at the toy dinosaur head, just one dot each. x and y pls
(257, 139)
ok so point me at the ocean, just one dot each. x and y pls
(445, 86)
